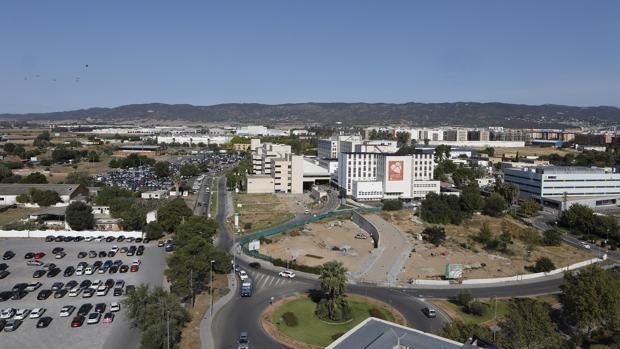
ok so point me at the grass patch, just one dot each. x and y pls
(15, 213)
(455, 307)
(311, 330)
(214, 195)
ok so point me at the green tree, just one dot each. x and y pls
(196, 226)
(35, 178)
(79, 216)
(591, 300)
(106, 195)
(461, 332)
(530, 208)
(156, 313)
(5, 172)
(543, 264)
(44, 197)
(173, 213)
(530, 236)
(495, 205)
(333, 305)
(504, 241)
(79, 177)
(527, 325)
(189, 170)
(403, 138)
(464, 298)
(153, 230)
(435, 235)
(133, 218)
(42, 140)
(552, 237)
(162, 169)
(471, 200)
(392, 205)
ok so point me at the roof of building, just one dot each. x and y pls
(374, 333)
(140, 147)
(559, 169)
(314, 169)
(17, 189)
(51, 211)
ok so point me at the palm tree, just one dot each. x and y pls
(333, 283)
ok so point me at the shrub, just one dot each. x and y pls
(464, 298)
(290, 319)
(543, 264)
(392, 205)
(552, 237)
(435, 235)
(374, 312)
(476, 308)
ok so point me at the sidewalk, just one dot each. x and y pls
(206, 337)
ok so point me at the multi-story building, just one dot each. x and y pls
(457, 135)
(275, 169)
(329, 148)
(562, 186)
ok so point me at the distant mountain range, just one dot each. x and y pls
(357, 114)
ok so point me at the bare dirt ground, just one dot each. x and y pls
(15, 213)
(533, 150)
(313, 245)
(267, 210)
(429, 261)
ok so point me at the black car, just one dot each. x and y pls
(4, 266)
(97, 264)
(20, 286)
(108, 263)
(44, 294)
(120, 238)
(111, 253)
(78, 238)
(59, 238)
(68, 239)
(118, 292)
(139, 252)
(53, 272)
(85, 284)
(69, 271)
(44, 322)
(71, 284)
(89, 292)
(4, 274)
(138, 240)
(5, 296)
(82, 254)
(12, 325)
(103, 254)
(109, 239)
(57, 286)
(124, 268)
(113, 269)
(117, 263)
(109, 283)
(92, 254)
(57, 250)
(100, 308)
(29, 255)
(60, 293)
(84, 309)
(38, 273)
(17, 295)
(8, 255)
(49, 238)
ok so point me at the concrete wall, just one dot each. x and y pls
(367, 226)
(44, 233)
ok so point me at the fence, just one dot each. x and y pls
(44, 233)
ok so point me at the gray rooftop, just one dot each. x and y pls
(16, 189)
(375, 333)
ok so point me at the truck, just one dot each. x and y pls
(246, 288)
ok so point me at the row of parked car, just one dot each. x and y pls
(11, 319)
(101, 238)
(72, 288)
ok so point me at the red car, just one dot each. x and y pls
(77, 321)
(39, 255)
(134, 268)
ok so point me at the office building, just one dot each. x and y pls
(561, 186)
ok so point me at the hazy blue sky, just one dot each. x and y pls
(203, 52)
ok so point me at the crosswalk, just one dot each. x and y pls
(264, 281)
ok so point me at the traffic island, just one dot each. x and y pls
(292, 320)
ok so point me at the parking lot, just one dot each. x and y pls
(60, 334)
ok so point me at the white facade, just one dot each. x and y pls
(367, 190)
(155, 194)
(193, 139)
(277, 162)
(259, 184)
(565, 183)
(260, 131)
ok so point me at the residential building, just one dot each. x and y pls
(561, 186)
(67, 192)
(457, 135)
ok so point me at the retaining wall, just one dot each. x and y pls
(367, 226)
(44, 233)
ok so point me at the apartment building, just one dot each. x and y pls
(562, 186)
(275, 169)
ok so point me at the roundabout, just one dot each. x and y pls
(292, 320)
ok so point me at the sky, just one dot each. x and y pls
(71, 54)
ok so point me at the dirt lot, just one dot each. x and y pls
(267, 210)
(429, 261)
(532, 150)
(16, 213)
(313, 244)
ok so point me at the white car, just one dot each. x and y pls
(102, 290)
(136, 262)
(115, 306)
(7, 313)
(60, 255)
(34, 263)
(99, 238)
(96, 284)
(89, 238)
(585, 245)
(93, 318)
(75, 291)
(21, 314)
(66, 310)
(89, 271)
(243, 275)
(114, 249)
(36, 313)
(79, 271)
(287, 274)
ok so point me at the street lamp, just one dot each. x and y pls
(211, 287)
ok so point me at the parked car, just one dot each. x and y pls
(38, 255)
(84, 309)
(7, 313)
(77, 321)
(8, 255)
(29, 255)
(60, 255)
(115, 306)
(93, 318)
(21, 314)
(70, 284)
(12, 325)
(44, 322)
(66, 310)
(82, 254)
(287, 274)
(108, 318)
(36, 313)
(31, 287)
(38, 273)
(69, 271)
(57, 250)
(60, 293)
(44, 294)
(57, 286)
(255, 265)
(53, 272)
(34, 263)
